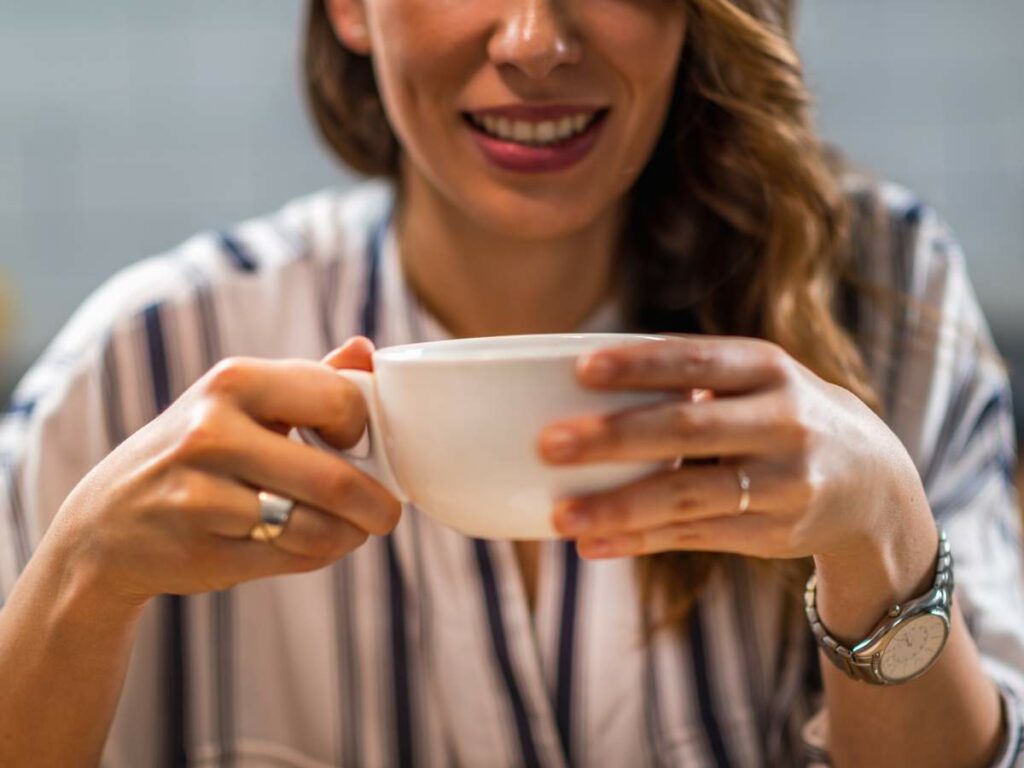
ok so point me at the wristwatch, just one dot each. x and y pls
(906, 642)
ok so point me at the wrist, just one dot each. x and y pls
(878, 568)
(78, 589)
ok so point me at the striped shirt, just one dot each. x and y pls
(421, 648)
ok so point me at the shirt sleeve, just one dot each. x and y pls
(87, 392)
(947, 396)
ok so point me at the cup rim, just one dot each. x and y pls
(455, 350)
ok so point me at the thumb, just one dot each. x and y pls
(354, 353)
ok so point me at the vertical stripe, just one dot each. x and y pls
(400, 655)
(955, 411)
(328, 294)
(343, 573)
(396, 589)
(499, 645)
(22, 545)
(175, 660)
(237, 253)
(223, 642)
(110, 384)
(652, 704)
(743, 611)
(156, 345)
(903, 233)
(566, 647)
(705, 694)
(348, 664)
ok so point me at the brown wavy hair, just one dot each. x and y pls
(738, 222)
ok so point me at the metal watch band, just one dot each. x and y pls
(938, 598)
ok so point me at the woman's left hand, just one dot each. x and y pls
(826, 474)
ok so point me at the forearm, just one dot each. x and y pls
(949, 716)
(64, 649)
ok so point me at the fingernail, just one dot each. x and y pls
(600, 369)
(560, 443)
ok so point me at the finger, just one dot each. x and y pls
(245, 559)
(298, 393)
(673, 496)
(356, 353)
(210, 502)
(722, 427)
(725, 364)
(246, 451)
(311, 533)
(229, 509)
(743, 535)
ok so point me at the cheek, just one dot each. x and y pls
(421, 53)
(641, 41)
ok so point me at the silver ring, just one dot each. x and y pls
(744, 481)
(274, 513)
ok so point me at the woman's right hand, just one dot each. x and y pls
(170, 510)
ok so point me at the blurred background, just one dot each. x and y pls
(126, 127)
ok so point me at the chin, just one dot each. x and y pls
(512, 214)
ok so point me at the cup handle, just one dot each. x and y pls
(373, 460)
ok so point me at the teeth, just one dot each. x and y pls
(525, 132)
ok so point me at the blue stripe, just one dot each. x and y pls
(904, 232)
(237, 253)
(500, 646)
(159, 372)
(998, 403)
(369, 313)
(951, 422)
(705, 697)
(17, 514)
(566, 646)
(110, 385)
(396, 589)
(961, 498)
(21, 408)
(175, 662)
(399, 651)
(348, 662)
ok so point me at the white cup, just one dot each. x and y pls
(453, 428)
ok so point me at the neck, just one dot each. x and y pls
(477, 282)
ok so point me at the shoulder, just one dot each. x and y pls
(898, 240)
(907, 272)
(916, 317)
(237, 272)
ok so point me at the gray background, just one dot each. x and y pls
(127, 126)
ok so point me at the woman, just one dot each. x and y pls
(597, 165)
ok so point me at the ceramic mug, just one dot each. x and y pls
(453, 428)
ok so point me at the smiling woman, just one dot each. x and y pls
(828, 398)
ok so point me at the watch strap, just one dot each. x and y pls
(867, 668)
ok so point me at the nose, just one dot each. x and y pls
(535, 37)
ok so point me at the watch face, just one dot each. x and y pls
(913, 647)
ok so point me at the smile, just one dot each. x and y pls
(535, 139)
(534, 132)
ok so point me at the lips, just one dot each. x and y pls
(534, 139)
